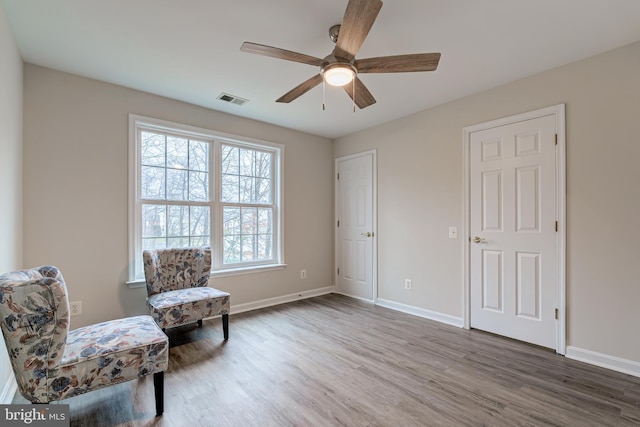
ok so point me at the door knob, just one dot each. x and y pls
(478, 239)
(367, 234)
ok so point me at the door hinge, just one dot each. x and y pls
(556, 313)
(338, 271)
(556, 139)
(338, 223)
(556, 226)
(338, 176)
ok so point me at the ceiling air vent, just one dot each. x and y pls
(232, 99)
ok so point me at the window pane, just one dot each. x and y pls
(263, 191)
(249, 221)
(199, 241)
(246, 189)
(200, 221)
(153, 221)
(177, 152)
(152, 183)
(265, 221)
(231, 221)
(248, 247)
(178, 242)
(247, 164)
(199, 156)
(231, 249)
(263, 165)
(230, 160)
(152, 149)
(176, 184)
(230, 184)
(178, 224)
(199, 186)
(150, 244)
(264, 247)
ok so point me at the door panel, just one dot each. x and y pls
(491, 199)
(492, 292)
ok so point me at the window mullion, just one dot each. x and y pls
(217, 220)
(166, 208)
(172, 202)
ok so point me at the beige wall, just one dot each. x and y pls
(10, 167)
(420, 181)
(75, 204)
(75, 186)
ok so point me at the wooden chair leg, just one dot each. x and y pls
(158, 387)
(225, 326)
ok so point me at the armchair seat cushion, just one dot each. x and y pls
(178, 307)
(107, 353)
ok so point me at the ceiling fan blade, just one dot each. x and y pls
(301, 89)
(356, 23)
(399, 63)
(276, 52)
(363, 97)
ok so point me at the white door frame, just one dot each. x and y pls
(374, 218)
(559, 112)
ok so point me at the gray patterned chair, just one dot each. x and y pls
(177, 288)
(51, 363)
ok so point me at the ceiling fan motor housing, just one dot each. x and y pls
(333, 33)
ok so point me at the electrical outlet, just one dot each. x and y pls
(407, 283)
(303, 274)
(75, 308)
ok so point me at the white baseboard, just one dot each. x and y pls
(9, 390)
(239, 308)
(604, 360)
(421, 312)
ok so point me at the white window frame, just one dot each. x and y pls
(217, 139)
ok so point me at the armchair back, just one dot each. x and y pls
(34, 317)
(173, 269)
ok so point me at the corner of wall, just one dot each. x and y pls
(11, 170)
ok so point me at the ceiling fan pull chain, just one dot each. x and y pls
(353, 82)
(324, 105)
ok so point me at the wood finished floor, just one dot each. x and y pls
(336, 361)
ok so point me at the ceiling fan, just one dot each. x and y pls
(341, 67)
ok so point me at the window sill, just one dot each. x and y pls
(247, 270)
(137, 283)
(140, 283)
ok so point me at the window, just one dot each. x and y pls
(194, 187)
(247, 205)
(174, 190)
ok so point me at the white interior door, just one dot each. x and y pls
(513, 224)
(355, 234)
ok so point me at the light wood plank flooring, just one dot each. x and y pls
(336, 361)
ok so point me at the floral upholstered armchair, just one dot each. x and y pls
(51, 363)
(177, 288)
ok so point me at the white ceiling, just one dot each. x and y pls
(189, 50)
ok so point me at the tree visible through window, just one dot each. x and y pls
(195, 189)
(247, 199)
(174, 190)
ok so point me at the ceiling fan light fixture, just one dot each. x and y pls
(339, 74)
